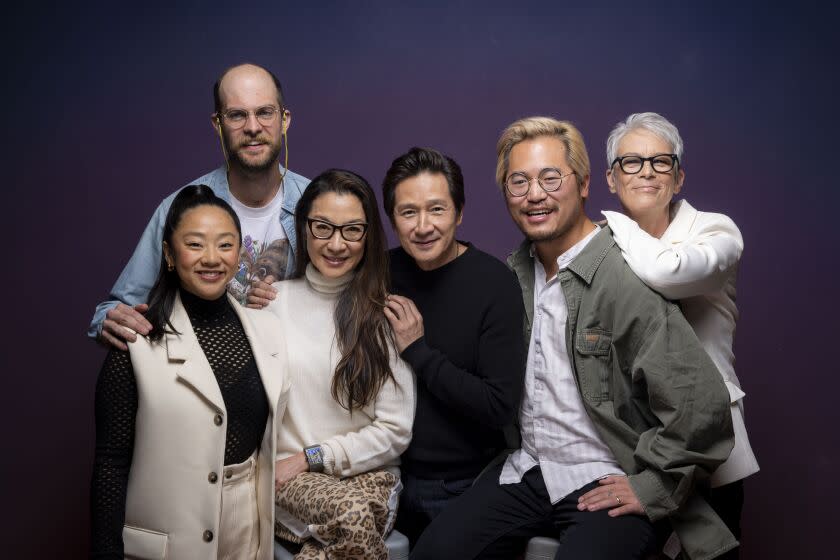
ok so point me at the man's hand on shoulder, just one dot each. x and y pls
(261, 293)
(122, 322)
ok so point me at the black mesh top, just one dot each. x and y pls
(226, 347)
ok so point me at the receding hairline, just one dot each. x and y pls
(245, 69)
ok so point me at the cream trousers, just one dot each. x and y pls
(239, 529)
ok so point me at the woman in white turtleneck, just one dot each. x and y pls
(688, 256)
(351, 403)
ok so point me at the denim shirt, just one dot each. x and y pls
(654, 395)
(137, 278)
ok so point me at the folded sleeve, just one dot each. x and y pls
(693, 433)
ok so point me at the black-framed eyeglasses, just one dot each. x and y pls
(236, 118)
(322, 229)
(550, 179)
(661, 163)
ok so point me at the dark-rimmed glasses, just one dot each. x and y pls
(661, 163)
(322, 229)
(550, 179)
(236, 118)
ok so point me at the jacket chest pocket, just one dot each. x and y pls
(594, 366)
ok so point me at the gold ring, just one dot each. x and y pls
(617, 499)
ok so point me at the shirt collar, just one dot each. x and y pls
(572, 252)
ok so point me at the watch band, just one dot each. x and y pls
(315, 458)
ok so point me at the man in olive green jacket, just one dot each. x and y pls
(624, 413)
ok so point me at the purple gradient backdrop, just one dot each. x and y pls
(108, 111)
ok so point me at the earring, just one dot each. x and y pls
(169, 266)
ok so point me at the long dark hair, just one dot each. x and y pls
(162, 295)
(364, 335)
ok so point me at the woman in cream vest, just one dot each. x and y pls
(186, 419)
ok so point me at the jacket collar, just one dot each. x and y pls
(584, 265)
(266, 350)
(587, 262)
(683, 216)
(194, 369)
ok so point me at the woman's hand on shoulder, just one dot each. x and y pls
(288, 468)
(406, 320)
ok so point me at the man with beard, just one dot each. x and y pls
(623, 414)
(252, 121)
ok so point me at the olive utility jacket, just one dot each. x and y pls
(652, 392)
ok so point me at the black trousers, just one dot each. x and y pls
(494, 521)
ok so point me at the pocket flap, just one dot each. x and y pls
(593, 342)
(144, 544)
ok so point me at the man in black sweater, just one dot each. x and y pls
(457, 316)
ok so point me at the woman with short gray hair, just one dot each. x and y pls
(685, 255)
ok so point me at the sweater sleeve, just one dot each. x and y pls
(116, 409)
(699, 264)
(491, 394)
(382, 441)
(693, 434)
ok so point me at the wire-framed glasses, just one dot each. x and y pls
(236, 118)
(550, 179)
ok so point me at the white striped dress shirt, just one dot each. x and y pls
(557, 433)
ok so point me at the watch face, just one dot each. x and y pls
(315, 458)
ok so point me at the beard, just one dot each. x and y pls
(560, 228)
(254, 165)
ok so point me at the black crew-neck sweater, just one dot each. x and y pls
(470, 363)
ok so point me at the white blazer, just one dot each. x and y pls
(173, 506)
(696, 262)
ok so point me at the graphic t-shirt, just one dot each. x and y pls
(265, 248)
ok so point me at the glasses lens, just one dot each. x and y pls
(236, 117)
(663, 163)
(321, 230)
(630, 164)
(517, 184)
(266, 114)
(551, 179)
(353, 232)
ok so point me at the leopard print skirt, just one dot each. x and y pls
(338, 518)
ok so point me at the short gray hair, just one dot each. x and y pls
(652, 122)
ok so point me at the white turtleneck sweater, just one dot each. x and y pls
(369, 438)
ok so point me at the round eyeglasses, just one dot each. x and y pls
(549, 179)
(661, 163)
(322, 229)
(236, 118)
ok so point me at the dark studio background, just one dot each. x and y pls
(106, 110)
